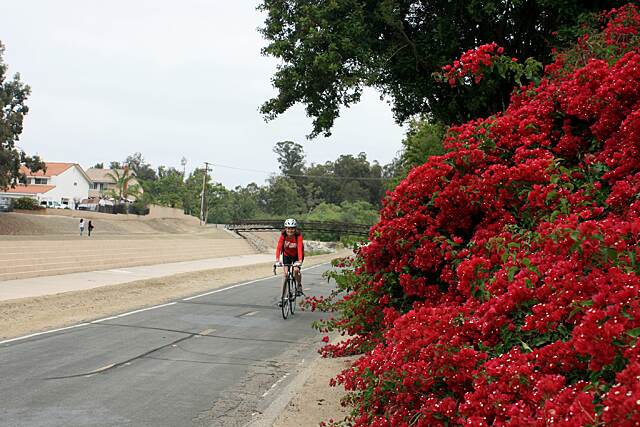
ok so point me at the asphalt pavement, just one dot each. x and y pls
(215, 359)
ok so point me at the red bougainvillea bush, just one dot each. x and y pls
(501, 285)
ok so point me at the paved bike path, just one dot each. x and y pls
(214, 359)
(49, 285)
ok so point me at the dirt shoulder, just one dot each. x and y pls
(315, 400)
(27, 315)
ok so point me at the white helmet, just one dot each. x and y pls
(290, 223)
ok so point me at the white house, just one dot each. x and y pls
(103, 183)
(62, 184)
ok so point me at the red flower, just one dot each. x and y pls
(502, 282)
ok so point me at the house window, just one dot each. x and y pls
(40, 181)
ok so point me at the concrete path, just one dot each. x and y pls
(215, 359)
(48, 285)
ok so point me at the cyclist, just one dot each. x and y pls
(291, 247)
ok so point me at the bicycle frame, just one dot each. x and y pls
(288, 295)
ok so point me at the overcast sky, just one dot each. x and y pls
(168, 79)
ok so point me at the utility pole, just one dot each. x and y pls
(204, 187)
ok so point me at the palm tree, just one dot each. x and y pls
(123, 189)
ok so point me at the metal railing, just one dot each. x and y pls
(345, 228)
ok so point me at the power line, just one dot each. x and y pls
(306, 176)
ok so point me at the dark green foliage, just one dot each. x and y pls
(139, 207)
(13, 95)
(359, 212)
(282, 197)
(348, 178)
(26, 203)
(167, 189)
(290, 157)
(423, 139)
(348, 189)
(331, 50)
(142, 170)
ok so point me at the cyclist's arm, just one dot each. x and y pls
(279, 247)
(300, 248)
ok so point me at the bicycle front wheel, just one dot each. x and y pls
(284, 303)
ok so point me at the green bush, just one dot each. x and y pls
(139, 208)
(359, 212)
(27, 203)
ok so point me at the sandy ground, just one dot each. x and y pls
(316, 401)
(26, 315)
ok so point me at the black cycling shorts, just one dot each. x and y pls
(288, 260)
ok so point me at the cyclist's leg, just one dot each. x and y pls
(298, 274)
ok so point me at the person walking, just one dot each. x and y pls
(81, 226)
(89, 228)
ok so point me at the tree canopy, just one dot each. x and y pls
(350, 188)
(123, 187)
(331, 50)
(139, 167)
(13, 95)
(290, 157)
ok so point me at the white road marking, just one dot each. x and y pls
(42, 333)
(251, 313)
(242, 284)
(85, 323)
(104, 319)
(225, 289)
(274, 385)
(146, 309)
(315, 266)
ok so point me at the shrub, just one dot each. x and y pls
(501, 285)
(138, 208)
(26, 203)
(120, 208)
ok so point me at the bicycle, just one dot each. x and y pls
(288, 298)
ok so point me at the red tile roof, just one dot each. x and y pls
(53, 169)
(30, 189)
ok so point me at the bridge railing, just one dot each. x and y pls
(326, 226)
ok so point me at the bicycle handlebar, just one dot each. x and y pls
(276, 265)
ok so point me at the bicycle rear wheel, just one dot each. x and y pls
(285, 301)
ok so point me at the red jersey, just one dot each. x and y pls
(290, 246)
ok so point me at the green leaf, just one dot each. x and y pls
(635, 333)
